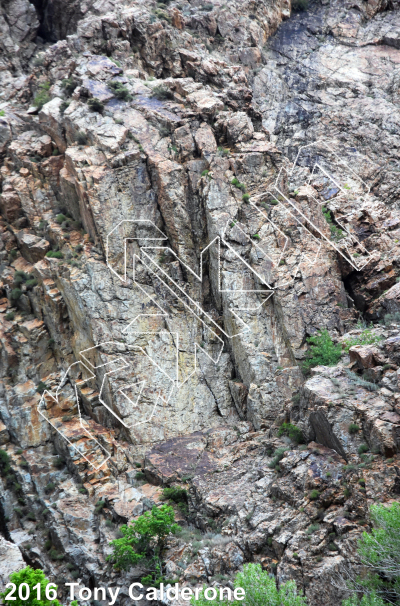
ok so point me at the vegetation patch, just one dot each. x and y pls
(162, 93)
(292, 431)
(143, 541)
(42, 97)
(119, 90)
(367, 337)
(323, 351)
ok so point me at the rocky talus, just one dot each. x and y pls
(189, 191)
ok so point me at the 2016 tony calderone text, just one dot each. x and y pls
(138, 592)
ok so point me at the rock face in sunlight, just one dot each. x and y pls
(189, 192)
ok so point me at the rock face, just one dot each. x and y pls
(11, 561)
(188, 192)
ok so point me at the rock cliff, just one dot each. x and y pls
(189, 191)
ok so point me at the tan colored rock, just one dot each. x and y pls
(33, 248)
(184, 140)
(10, 205)
(366, 356)
(239, 128)
(205, 102)
(177, 19)
(205, 140)
(50, 121)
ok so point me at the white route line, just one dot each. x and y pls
(193, 306)
(42, 405)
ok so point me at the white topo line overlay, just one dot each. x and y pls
(151, 244)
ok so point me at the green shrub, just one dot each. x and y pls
(59, 462)
(60, 218)
(367, 600)
(312, 528)
(292, 431)
(322, 351)
(260, 589)
(2, 113)
(81, 138)
(96, 105)
(177, 495)
(314, 494)
(161, 92)
(49, 487)
(336, 233)
(42, 97)
(4, 458)
(139, 475)
(69, 85)
(56, 555)
(31, 283)
(363, 448)
(380, 551)
(235, 182)
(55, 254)
(278, 456)
(353, 428)
(31, 577)
(64, 105)
(393, 318)
(360, 381)
(20, 277)
(41, 387)
(99, 506)
(144, 538)
(16, 293)
(119, 90)
(10, 316)
(299, 5)
(246, 197)
(365, 338)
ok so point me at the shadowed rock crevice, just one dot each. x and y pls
(57, 19)
(323, 433)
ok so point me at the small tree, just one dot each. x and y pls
(370, 600)
(260, 589)
(322, 351)
(31, 577)
(144, 539)
(379, 552)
